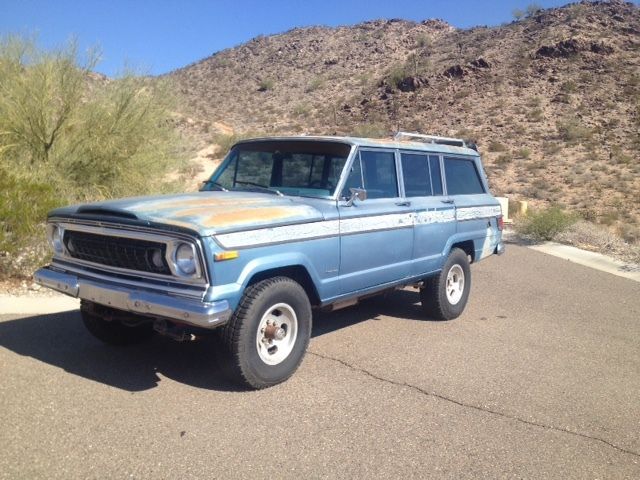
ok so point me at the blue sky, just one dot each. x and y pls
(159, 36)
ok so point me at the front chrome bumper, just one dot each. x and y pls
(183, 310)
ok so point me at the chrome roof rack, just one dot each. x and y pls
(455, 142)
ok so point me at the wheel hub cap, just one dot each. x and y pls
(277, 333)
(455, 284)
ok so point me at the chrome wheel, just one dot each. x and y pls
(277, 333)
(455, 284)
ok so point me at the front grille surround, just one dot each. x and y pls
(130, 250)
(128, 253)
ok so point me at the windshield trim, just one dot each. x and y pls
(229, 158)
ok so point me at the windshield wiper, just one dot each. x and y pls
(216, 184)
(262, 188)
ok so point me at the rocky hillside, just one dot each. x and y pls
(552, 100)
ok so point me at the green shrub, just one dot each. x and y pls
(301, 110)
(225, 142)
(397, 74)
(569, 87)
(67, 135)
(495, 146)
(423, 41)
(315, 84)
(265, 85)
(572, 131)
(23, 205)
(546, 224)
(536, 115)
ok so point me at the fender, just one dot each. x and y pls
(233, 291)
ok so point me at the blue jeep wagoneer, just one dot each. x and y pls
(282, 226)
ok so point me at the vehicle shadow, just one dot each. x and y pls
(61, 340)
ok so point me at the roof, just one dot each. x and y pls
(375, 142)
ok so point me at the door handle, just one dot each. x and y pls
(404, 203)
(448, 200)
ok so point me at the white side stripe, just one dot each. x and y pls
(435, 216)
(330, 228)
(379, 222)
(470, 213)
(286, 233)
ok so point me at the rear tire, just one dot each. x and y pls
(266, 338)
(444, 296)
(113, 332)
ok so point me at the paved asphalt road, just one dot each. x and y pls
(540, 378)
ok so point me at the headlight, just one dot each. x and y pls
(186, 259)
(54, 234)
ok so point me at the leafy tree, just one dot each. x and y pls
(68, 134)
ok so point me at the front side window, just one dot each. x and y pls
(462, 177)
(307, 168)
(375, 172)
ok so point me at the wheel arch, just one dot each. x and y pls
(297, 273)
(467, 246)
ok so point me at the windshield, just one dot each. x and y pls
(308, 168)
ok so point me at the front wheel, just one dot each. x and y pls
(445, 295)
(267, 337)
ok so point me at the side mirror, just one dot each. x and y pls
(359, 193)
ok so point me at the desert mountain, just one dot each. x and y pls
(553, 100)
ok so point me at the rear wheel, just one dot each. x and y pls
(115, 327)
(444, 296)
(267, 337)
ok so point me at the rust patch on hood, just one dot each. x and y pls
(211, 213)
(250, 215)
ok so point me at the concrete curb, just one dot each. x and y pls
(590, 259)
(36, 305)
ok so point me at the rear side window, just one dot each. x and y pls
(421, 175)
(462, 177)
(376, 173)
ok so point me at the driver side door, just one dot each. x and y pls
(376, 235)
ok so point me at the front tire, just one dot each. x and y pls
(267, 336)
(444, 296)
(113, 331)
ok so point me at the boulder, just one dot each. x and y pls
(562, 49)
(412, 83)
(480, 63)
(456, 71)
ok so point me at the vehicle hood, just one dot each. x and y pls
(206, 213)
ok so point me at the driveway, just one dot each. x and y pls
(539, 378)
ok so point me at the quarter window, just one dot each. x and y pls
(462, 177)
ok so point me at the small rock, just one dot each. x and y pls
(601, 48)
(480, 63)
(456, 71)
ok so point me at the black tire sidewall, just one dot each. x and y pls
(292, 294)
(449, 310)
